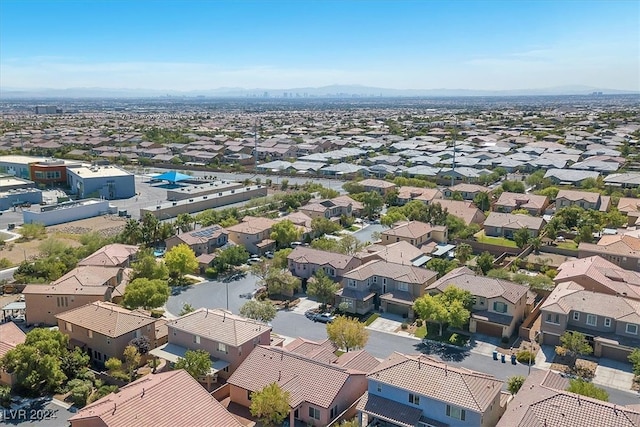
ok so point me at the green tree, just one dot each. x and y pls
(585, 388)
(147, 266)
(513, 186)
(74, 363)
(321, 226)
(146, 293)
(186, 309)
(514, 383)
(80, 390)
(149, 228)
(347, 333)
(131, 357)
(430, 308)
(585, 234)
(456, 195)
(452, 307)
(391, 217)
(634, 359)
(464, 251)
(324, 244)
(184, 222)
(264, 311)
(372, 203)
(482, 201)
(285, 232)
(550, 192)
(573, 344)
(350, 245)
(322, 287)
(536, 244)
(281, 282)
(353, 187)
(271, 405)
(196, 362)
(280, 258)
(231, 256)
(485, 262)
(521, 237)
(180, 260)
(391, 198)
(441, 266)
(37, 363)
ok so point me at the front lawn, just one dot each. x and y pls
(568, 244)
(498, 241)
(447, 337)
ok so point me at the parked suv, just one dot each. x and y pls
(324, 318)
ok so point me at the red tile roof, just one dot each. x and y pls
(107, 319)
(10, 336)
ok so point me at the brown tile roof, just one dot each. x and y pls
(111, 255)
(409, 229)
(159, 400)
(542, 402)
(470, 188)
(574, 196)
(398, 272)
(406, 192)
(344, 200)
(219, 325)
(201, 235)
(359, 360)
(376, 183)
(606, 273)
(307, 380)
(302, 254)
(617, 244)
(252, 225)
(436, 380)
(401, 252)
(482, 286)
(629, 204)
(321, 351)
(106, 318)
(530, 201)
(466, 211)
(516, 221)
(10, 336)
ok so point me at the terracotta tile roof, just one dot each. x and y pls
(409, 229)
(515, 221)
(307, 380)
(436, 380)
(574, 196)
(359, 360)
(302, 254)
(629, 204)
(321, 351)
(470, 188)
(219, 325)
(106, 318)
(481, 286)
(617, 244)
(159, 400)
(252, 225)
(401, 252)
(344, 200)
(542, 402)
(111, 255)
(10, 336)
(389, 410)
(397, 272)
(519, 200)
(598, 269)
(201, 235)
(407, 193)
(466, 211)
(376, 183)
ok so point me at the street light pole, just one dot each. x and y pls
(226, 284)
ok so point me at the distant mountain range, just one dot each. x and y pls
(295, 93)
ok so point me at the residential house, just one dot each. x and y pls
(623, 180)
(543, 400)
(573, 177)
(103, 329)
(596, 274)
(379, 186)
(325, 351)
(228, 338)
(505, 224)
(621, 249)
(508, 202)
(396, 285)
(583, 199)
(254, 233)
(426, 195)
(467, 191)
(10, 336)
(114, 255)
(156, 400)
(327, 208)
(82, 285)
(630, 206)
(415, 232)
(320, 391)
(611, 323)
(416, 390)
(466, 211)
(202, 241)
(401, 252)
(303, 262)
(499, 306)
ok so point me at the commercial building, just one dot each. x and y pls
(67, 211)
(107, 182)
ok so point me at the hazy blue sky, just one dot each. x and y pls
(184, 45)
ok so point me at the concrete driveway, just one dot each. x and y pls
(614, 374)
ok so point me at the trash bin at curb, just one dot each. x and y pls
(513, 359)
(503, 358)
(495, 354)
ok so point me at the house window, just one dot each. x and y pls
(607, 322)
(333, 413)
(222, 348)
(196, 339)
(592, 319)
(384, 280)
(499, 307)
(314, 413)
(403, 286)
(455, 412)
(553, 318)
(69, 327)
(225, 369)
(379, 388)
(576, 315)
(352, 283)
(90, 333)
(375, 279)
(248, 394)
(414, 398)
(632, 329)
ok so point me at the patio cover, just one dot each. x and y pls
(172, 176)
(172, 353)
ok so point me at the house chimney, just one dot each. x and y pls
(142, 392)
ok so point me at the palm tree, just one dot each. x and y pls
(132, 233)
(464, 252)
(184, 222)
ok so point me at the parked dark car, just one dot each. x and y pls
(324, 318)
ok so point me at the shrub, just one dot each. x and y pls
(505, 340)
(157, 313)
(419, 323)
(371, 319)
(524, 356)
(551, 273)
(453, 339)
(404, 326)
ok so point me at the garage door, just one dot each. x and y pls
(488, 329)
(397, 309)
(615, 353)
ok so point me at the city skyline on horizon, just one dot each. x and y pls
(189, 46)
